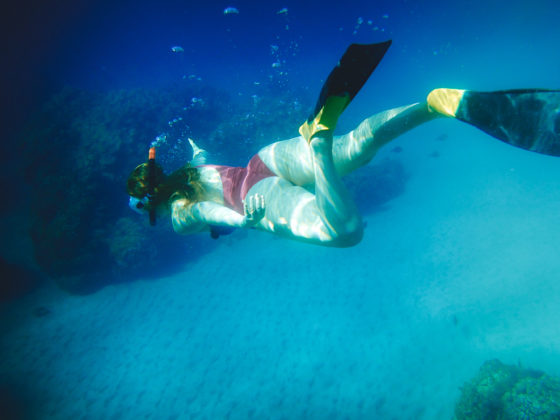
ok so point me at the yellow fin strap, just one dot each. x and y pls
(326, 118)
(445, 101)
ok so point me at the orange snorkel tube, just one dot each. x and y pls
(152, 183)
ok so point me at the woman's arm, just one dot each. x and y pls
(198, 216)
(213, 213)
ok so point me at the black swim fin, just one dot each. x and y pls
(343, 83)
(525, 118)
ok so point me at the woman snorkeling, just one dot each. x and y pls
(293, 187)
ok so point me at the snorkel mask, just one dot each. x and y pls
(137, 204)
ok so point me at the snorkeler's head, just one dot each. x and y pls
(182, 183)
(142, 185)
(138, 181)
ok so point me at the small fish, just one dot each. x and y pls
(231, 11)
(283, 11)
(177, 49)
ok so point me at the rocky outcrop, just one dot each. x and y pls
(506, 392)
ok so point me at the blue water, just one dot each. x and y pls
(461, 267)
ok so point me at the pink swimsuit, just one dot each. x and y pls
(238, 181)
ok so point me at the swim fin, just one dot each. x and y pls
(525, 118)
(343, 83)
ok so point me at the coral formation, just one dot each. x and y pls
(506, 392)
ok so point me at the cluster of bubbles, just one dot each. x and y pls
(370, 23)
(173, 147)
(192, 77)
(235, 11)
(281, 50)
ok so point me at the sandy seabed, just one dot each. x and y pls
(461, 268)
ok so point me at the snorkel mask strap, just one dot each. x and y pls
(152, 183)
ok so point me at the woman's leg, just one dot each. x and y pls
(338, 210)
(327, 217)
(358, 147)
(292, 159)
(526, 119)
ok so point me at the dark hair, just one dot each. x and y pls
(183, 183)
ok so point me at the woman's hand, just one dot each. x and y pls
(254, 209)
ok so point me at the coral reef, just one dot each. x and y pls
(506, 392)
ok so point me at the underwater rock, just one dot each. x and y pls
(507, 392)
(15, 280)
(533, 398)
(14, 404)
(41, 312)
(78, 152)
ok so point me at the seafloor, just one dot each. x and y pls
(460, 268)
